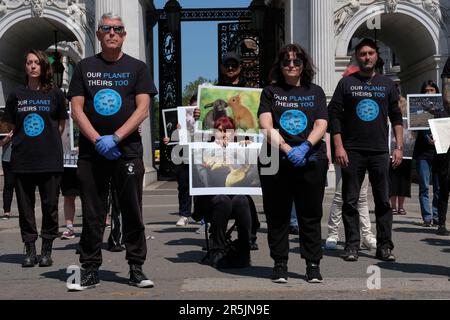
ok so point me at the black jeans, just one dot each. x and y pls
(48, 185)
(305, 187)
(115, 237)
(8, 186)
(224, 208)
(441, 167)
(184, 199)
(95, 176)
(377, 164)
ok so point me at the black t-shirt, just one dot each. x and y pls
(359, 110)
(36, 143)
(110, 89)
(446, 71)
(294, 111)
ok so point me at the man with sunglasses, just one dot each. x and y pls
(358, 114)
(110, 94)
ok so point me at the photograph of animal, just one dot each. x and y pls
(242, 116)
(218, 110)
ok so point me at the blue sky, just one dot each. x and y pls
(199, 40)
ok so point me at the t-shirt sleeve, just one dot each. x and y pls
(395, 114)
(10, 109)
(336, 109)
(265, 102)
(76, 87)
(321, 111)
(62, 105)
(446, 71)
(144, 83)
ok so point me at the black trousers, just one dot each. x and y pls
(8, 186)
(95, 176)
(184, 199)
(441, 167)
(224, 208)
(305, 187)
(115, 237)
(48, 185)
(377, 164)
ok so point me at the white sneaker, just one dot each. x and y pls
(369, 243)
(331, 243)
(182, 222)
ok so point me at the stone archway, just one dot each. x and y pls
(416, 37)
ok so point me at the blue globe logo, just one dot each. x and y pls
(33, 125)
(107, 102)
(367, 110)
(294, 122)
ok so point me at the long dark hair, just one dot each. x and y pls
(46, 77)
(308, 73)
(429, 83)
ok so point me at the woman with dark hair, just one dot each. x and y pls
(38, 113)
(425, 156)
(293, 113)
(219, 209)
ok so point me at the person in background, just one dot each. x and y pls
(425, 156)
(8, 176)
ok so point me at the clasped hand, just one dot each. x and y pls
(107, 147)
(297, 155)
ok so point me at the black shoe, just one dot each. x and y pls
(294, 230)
(435, 222)
(215, 257)
(89, 279)
(46, 258)
(234, 260)
(280, 273)
(30, 259)
(116, 248)
(385, 254)
(350, 255)
(138, 278)
(313, 273)
(427, 224)
(442, 231)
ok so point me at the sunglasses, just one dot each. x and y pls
(117, 29)
(287, 62)
(231, 65)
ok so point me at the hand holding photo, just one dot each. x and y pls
(440, 128)
(421, 108)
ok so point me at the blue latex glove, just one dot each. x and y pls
(105, 143)
(297, 155)
(113, 154)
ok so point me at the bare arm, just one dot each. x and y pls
(81, 119)
(62, 126)
(339, 150)
(272, 135)
(318, 132)
(138, 116)
(397, 155)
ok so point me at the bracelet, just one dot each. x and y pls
(116, 138)
(399, 148)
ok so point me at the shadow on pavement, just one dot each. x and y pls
(258, 272)
(437, 241)
(416, 268)
(187, 242)
(104, 275)
(188, 257)
(11, 258)
(415, 230)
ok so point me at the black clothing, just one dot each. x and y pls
(377, 163)
(294, 111)
(69, 183)
(423, 150)
(360, 107)
(95, 176)
(8, 186)
(110, 90)
(36, 143)
(48, 185)
(305, 187)
(184, 199)
(400, 179)
(446, 71)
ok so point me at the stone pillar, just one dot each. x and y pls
(321, 43)
(105, 6)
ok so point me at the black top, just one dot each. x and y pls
(359, 110)
(294, 111)
(446, 71)
(423, 150)
(110, 89)
(36, 143)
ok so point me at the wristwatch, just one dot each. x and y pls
(116, 138)
(399, 148)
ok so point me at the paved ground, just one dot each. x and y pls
(421, 272)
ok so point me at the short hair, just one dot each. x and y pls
(109, 16)
(308, 73)
(429, 83)
(227, 123)
(366, 42)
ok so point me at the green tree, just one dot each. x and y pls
(192, 87)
